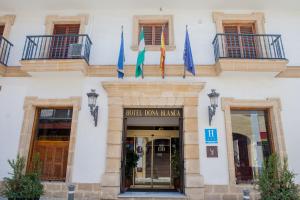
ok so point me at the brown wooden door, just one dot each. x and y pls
(61, 42)
(243, 168)
(54, 159)
(243, 45)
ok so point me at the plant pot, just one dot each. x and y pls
(128, 182)
(176, 182)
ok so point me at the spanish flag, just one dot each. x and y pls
(162, 53)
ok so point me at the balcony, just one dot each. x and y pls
(56, 53)
(249, 52)
(5, 47)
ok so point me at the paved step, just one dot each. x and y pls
(152, 196)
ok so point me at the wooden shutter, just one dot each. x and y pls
(1, 30)
(152, 33)
(66, 29)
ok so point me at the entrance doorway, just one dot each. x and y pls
(152, 156)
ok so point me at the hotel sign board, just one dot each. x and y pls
(152, 112)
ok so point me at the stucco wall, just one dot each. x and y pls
(91, 141)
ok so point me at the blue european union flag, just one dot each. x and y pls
(121, 59)
(187, 55)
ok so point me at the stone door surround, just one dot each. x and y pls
(30, 106)
(152, 94)
(274, 107)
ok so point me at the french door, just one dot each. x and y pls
(240, 41)
(64, 35)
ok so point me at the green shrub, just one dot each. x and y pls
(20, 185)
(276, 182)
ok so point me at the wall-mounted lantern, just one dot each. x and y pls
(92, 99)
(213, 97)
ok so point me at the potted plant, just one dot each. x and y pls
(175, 162)
(276, 182)
(131, 163)
(21, 186)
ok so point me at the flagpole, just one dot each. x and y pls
(163, 69)
(143, 71)
(124, 55)
(143, 62)
(184, 67)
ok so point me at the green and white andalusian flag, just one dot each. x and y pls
(141, 55)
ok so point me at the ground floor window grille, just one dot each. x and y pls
(51, 141)
(252, 143)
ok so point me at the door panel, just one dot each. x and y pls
(161, 162)
(54, 157)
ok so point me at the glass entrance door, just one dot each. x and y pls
(155, 162)
(153, 168)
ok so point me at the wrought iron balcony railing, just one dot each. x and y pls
(70, 46)
(5, 47)
(248, 46)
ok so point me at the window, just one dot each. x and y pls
(153, 25)
(1, 30)
(252, 143)
(67, 34)
(153, 33)
(51, 142)
(240, 41)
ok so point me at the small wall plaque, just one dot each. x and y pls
(212, 151)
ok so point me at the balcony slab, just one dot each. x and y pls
(251, 65)
(2, 70)
(290, 72)
(59, 65)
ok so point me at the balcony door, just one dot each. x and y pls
(1, 30)
(63, 36)
(240, 41)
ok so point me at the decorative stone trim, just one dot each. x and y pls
(251, 65)
(30, 105)
(290, 72)
(150, 70)
(55, 19)
(152, 94)
(7, 21)
(274, 106)
(257, 18)
(152, 19)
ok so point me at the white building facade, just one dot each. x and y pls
(248, 52)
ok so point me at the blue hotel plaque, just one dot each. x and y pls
(211, 136)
